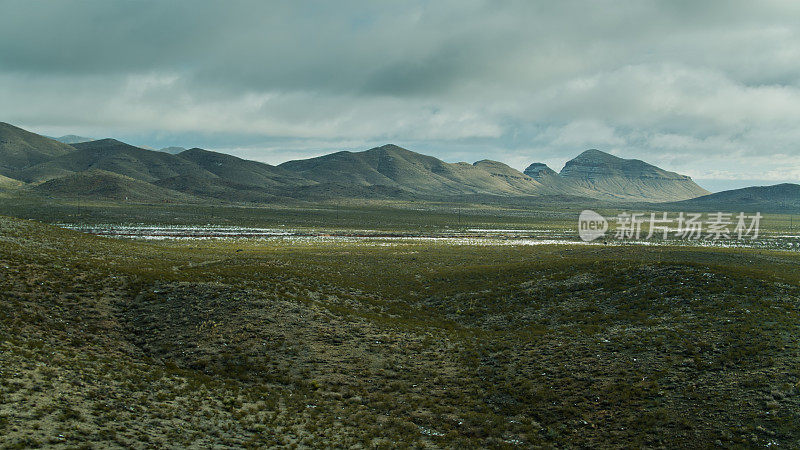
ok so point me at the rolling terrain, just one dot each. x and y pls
(778, 198)
(397, 167)
(215, 343)
(388, 172)
(103, 185)
(20, 149)
(117, 157)
(242, 171)
(375, 313)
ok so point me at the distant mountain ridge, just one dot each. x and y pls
(776, 198)
(172, 150)
(396, 167)
(113, 156)
(242, 171)
(73, 139)
(597, 174)
(28, 160)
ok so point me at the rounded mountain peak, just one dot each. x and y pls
(539, 170)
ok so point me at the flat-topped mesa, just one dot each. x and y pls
(608, 176)
(538, 171)
(593, 164)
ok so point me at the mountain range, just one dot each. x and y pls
(72, 139)
(775, 199)
(111, 169)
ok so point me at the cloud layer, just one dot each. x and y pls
(711, 89)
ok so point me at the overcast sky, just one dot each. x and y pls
(709, 89)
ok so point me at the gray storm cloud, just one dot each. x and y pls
(708, 88)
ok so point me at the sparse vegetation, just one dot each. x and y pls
(118, 342)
